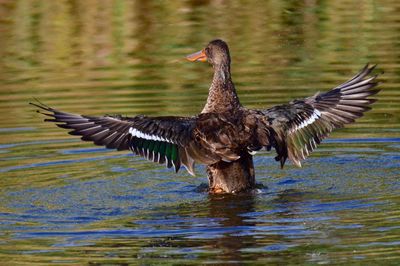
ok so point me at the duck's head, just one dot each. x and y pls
(216, 53)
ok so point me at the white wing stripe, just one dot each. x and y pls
(316, 114)
(136, 133)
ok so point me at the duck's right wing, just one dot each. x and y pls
(172, 140)
(299, 126)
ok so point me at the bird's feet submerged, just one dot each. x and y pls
(257, 189)
(217, 190)
(233, 177)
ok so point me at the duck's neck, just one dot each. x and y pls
(222, 95)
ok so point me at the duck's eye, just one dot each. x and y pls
(207, 50)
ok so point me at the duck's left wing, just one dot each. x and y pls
(299, 126)
(159, 139)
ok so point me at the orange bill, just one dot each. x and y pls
(198, 56)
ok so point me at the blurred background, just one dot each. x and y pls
(71, 202)
(128, 56)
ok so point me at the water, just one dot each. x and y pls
(68, 202)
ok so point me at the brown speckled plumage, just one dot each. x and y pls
(225, 135)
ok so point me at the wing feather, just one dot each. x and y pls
(302, 124)
(158, 139)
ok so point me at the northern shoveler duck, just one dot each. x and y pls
(225, 135)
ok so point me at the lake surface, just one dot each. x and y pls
(63, 201)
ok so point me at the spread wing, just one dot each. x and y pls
(159, 139)
(302, 124)
(172, 140)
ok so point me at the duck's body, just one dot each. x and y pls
(225, 135)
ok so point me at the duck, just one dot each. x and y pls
(225, 135)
